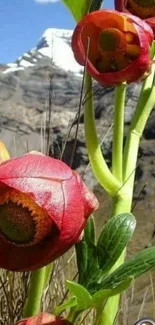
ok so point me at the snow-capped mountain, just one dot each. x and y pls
(54, 44)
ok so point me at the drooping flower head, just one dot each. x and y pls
(44, 319)
(117, 46)
(145, 9)
(44, 206)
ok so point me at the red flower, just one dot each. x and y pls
(44, 319)
(145, 9)
(118, 46)
(44, 206)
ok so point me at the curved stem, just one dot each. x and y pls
(138, 123)
(147, 98)
(142, 112)
(117, 150)
(98, 164)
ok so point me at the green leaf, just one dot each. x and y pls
(134, 267)
(82, 258)
(99, 296)
(92, 261)
(78, 8)
(89, 232)
(114, 238)
(71, 302)
(84, 299)
(96, 4)
(86, 253)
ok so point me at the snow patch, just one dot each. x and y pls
(54, 44)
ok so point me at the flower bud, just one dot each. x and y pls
(140, 8)
(117, 46)
(44, 319)
(44, 207)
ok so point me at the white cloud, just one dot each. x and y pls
(46, 1)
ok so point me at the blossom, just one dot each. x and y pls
(141, 8)
(44, 206)
(114, 46)
(44, 319)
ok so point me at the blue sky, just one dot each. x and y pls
(22, 22)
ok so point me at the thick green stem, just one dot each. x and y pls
(98, 164)
(117, 150)
(122, 203)
(37, 285)
(109, 313)
(138, 123)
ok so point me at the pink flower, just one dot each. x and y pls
(141, 8)
(44, 319)
(117, 45)
(44, 206)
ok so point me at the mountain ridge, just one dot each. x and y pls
(54, 44)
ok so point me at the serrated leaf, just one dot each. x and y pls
(78, 8)
(89, 232)
(99, 296)
(84, 299)
(96, 4)
(82, 258)
(87, 263)
(86, 254)
(71, 302)
(134, 267)
(114, 238)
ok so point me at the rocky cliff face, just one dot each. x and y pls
(24, 109)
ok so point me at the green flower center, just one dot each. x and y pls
(16, 223)
(22, 221)
(111, 39)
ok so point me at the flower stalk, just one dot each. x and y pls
(98, 164)
(118, 132)
(123, 166)
(36, 288)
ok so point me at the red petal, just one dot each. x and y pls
(98, 19)
(120, 5)
(36, 166)
(68, 203)
(44, 319)
(142, 24)
(89, 199)
(46, 193)
(151, 22)
(136, 69)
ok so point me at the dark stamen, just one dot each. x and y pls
(16, 223)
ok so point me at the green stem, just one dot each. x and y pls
(122, 203)
(98, 164)
(138, 123)
(37, 285)
(109, 313)
(145, 92)
(73, 314)
(117, 150)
